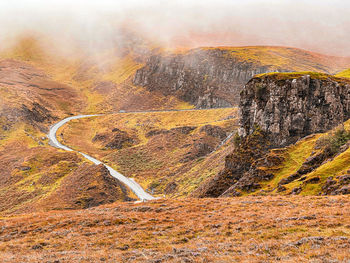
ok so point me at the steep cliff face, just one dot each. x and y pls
(278, 110)
(214, 77)
(205, 78)
(290, 106)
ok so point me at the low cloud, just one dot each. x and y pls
(321, 26)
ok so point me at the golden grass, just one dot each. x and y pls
(338, 166)
(294, 157)
(293, 75)
(285, 58)
(344, 74)
(246, 229)
(122, 70)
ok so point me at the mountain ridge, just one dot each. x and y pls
(214, 76)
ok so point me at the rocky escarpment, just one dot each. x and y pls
(204, 78)
(277, 110)
(214, 77)
(291, 106)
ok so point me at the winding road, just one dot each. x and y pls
(135, 187)
(129, 182)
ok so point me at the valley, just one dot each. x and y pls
(244, 149)
(167, 152)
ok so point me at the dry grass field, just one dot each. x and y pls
(243, 229)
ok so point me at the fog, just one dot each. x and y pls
(317, 25)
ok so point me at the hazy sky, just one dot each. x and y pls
(319, 25)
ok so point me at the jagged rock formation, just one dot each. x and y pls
(237, 165)
(277, 110)
(205, 78)
(291, 106)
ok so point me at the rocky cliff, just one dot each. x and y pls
(289, 106)
(277, 110)
(205, 78)
(214, 77)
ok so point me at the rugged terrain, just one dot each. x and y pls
(214, 77)
(290, 106)
(291, 109)
(168, 153)
(56, 206)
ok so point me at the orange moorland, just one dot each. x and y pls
(243, 229)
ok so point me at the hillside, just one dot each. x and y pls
(39, 86)
(214, 77)
(344, 74)
(93, 76)
(166, 152)
(286, 58)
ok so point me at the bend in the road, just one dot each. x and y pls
(135, 187)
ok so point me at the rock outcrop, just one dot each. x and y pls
(213, 77)
(291, 106)
(237, 165)
(205, 78)
(277, 110)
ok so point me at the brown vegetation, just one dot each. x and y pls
(243, 229)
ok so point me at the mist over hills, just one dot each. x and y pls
(232, 115)
(183, 23)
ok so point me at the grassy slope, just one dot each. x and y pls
(344, 74)
(295, 155)
(110, 71)
(339, 165)
(292, 59)
(32, 173)
(293, 75)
